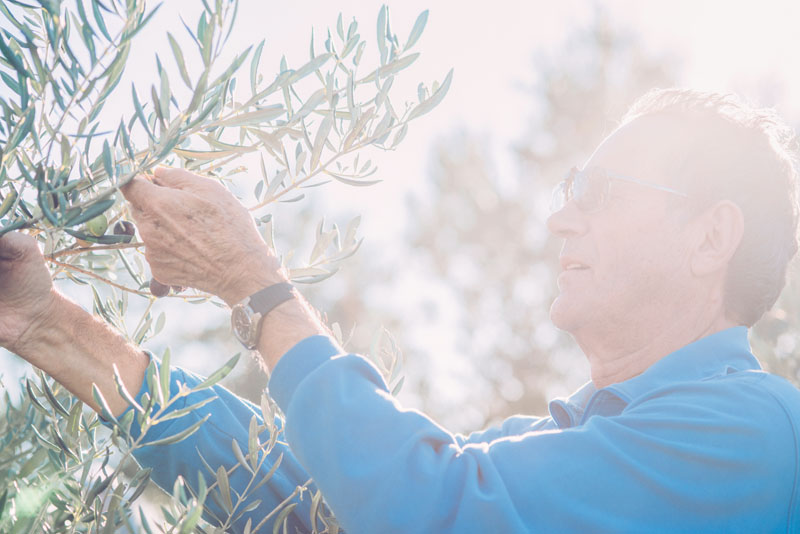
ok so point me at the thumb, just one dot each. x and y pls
(15, 245)
(140, 192)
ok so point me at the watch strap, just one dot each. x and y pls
(269, 298)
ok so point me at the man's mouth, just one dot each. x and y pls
(572, 264)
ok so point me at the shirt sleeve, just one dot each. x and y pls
(513, 426)
(211, 447)
(683, 461)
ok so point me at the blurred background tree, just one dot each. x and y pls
(481, 260)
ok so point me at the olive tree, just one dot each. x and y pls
(64, 155)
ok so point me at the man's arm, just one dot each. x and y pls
(56, 335)
(78, 350)
(228, 421)
(513, 426)
(288, 323)
(704, 457)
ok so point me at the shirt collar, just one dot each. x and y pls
(717, 354)
(568, 412)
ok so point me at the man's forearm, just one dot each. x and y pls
(78, 350)
(286, 325)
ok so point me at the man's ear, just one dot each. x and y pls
(720, 230)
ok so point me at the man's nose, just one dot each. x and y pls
(569, 221)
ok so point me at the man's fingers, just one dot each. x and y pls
(175, 178)
(182, 179)
(140, 192)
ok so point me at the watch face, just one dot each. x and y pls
(242, 322)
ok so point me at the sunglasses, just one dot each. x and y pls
(589, 188)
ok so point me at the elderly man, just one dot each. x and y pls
(677, 234)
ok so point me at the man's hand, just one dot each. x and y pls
(26, 291)
(197, 234)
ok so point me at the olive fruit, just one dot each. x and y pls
(97, 226)
(124, 228)
(157, 289)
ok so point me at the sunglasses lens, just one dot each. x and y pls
(559, 198)
(590, 189)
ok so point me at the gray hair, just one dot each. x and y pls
(747, 156)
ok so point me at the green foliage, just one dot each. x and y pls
(61, 169)
(63, 471)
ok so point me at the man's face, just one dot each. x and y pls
(624, 267)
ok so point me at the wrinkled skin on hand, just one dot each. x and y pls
(26, 291)
(197, 234)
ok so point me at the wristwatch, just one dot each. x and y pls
(246, 316)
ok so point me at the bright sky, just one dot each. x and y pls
(742, 46)
(723, 45)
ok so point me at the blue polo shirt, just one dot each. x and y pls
(702, 441)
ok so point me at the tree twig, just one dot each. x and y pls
(322, 168)
(123, 287)
(81, 250)
(98, 277)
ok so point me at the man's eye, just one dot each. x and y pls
(594, 191)
(580, 187)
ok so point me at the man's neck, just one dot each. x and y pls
(619, 360)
